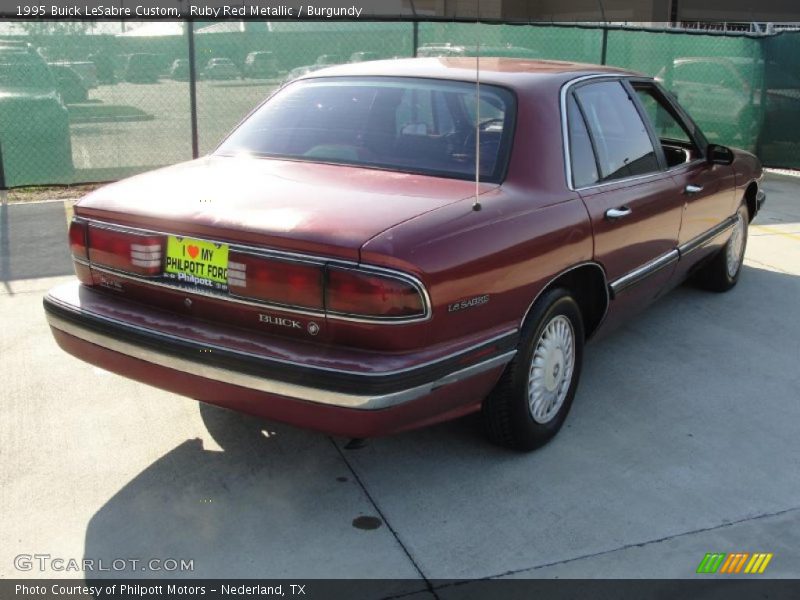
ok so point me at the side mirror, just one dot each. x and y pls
(719, 155)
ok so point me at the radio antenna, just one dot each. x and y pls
(476, 205)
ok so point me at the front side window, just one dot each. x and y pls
(677, 141)
(403, 124)
(667, 127)
(621, 140)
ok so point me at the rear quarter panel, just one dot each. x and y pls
(509, 250)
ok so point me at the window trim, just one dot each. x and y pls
(654, 142)
(567, 157)
(648, 125)
(566, 90)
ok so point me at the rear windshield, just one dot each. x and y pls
(409, 125)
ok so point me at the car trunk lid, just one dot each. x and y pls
(297, 206)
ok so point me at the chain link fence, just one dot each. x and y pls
(82, 106)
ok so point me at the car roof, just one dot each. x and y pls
(510, 72)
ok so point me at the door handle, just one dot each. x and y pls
(693, 189)
(618, 213)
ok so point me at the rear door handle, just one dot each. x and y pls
(693, 189)
(618, 213)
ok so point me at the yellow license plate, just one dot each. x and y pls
(197, 262)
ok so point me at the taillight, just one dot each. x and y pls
(370, 293)
(78, 231)
(130, 252)
(77, 239)
(274, 280)
(358, 293)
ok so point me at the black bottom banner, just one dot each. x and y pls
(703, 588)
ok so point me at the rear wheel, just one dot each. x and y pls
(531, 401)
(722, 273)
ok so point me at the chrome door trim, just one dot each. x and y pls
(707, 236)
(642, 272)
(658, 263)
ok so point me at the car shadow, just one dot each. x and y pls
(33, 241)
(271, 501)
(278, 501)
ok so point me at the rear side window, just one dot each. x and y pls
(584, 166)
(621, 140)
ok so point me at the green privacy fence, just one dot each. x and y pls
(83, 106)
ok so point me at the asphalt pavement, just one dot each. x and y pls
(684, 439)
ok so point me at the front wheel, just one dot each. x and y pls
(722, 273)
(530, 402)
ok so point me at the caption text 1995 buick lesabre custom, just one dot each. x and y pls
(337, 264)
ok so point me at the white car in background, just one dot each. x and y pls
(221, 69)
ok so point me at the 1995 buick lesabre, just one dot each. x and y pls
(336, 263)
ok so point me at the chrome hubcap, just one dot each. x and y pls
(551, 369)
(736, 247)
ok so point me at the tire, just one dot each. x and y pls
(509, 418)
(723, 271)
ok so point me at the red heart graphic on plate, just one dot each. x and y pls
(193, 251)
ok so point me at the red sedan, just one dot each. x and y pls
(337, 264)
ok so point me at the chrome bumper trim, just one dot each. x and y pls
(280, 388)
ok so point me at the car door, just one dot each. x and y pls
(706, 189)
(631, 200)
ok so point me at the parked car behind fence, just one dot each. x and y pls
(179, 71)
(142, 67)
(260, 65)
(70, 85)
(220, 69)
(34, 123)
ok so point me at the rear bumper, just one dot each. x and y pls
(336, 400)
